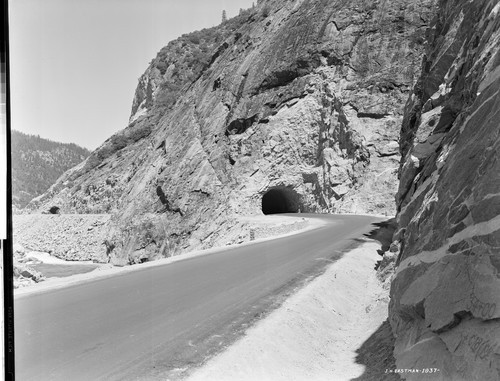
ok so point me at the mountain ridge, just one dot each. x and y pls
(37, 163)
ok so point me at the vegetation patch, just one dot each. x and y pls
(185, 59)
(118, 142)
(37, 163)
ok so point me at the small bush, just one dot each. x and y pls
(140, 133)
(118, 142)
(194, 39)
(266, 11)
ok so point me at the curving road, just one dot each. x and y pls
(157, 322)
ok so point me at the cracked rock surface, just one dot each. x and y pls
(445, 299)
(303, 95)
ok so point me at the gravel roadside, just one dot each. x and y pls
(333, 329)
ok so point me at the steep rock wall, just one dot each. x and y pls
(445, 299)
(304, 97)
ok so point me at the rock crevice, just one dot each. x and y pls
(444, 296)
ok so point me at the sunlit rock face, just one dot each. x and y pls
(306, 96)
(445, 305)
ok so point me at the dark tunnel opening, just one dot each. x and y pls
(55, 210)
(280, 200)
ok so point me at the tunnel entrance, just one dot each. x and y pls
(54, 210)
(280, 200)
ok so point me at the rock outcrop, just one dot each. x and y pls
(24, 275)
(445, 297)
(298, 101)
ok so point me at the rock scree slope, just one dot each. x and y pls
(296, 104)
(68, 237)
(445, 299)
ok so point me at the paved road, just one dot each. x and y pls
(156, 322)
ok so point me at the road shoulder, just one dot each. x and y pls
(318, 333)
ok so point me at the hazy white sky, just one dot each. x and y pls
(75, 63)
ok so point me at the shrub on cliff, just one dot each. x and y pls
(191, 55)
(118, 142)
(266, 10)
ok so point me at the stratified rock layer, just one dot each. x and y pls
(445, 305)
(303, 99)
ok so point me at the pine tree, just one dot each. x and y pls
(224, 16)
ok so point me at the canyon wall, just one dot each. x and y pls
(445, 297)
(299, 106)
(293, 106)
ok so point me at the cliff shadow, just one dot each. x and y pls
(382, 233)
(376, 355)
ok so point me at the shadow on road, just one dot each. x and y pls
(383, 232)
(375, 354)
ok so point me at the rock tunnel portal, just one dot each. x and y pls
(280, 200)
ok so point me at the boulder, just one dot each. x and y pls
(27, 272)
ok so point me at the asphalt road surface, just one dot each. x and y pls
(157, 323)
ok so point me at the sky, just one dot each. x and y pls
(75, 64)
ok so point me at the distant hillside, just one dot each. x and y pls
(37, 163)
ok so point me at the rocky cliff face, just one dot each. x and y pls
(292, 106)
(445, 306)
